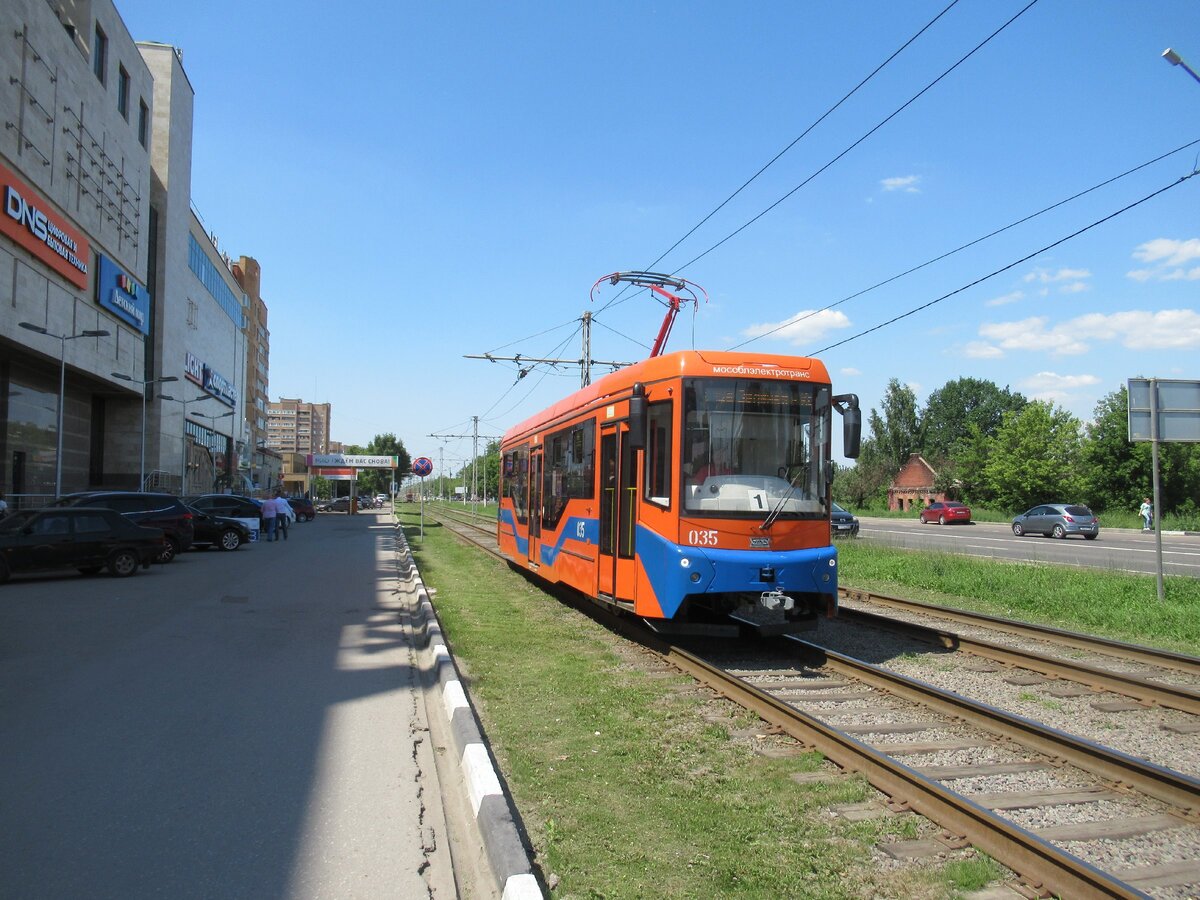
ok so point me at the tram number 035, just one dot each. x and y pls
(705, 538)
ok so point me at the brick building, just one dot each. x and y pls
(913, 486)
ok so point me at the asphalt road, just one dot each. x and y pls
(236, 724)
(1115, 549)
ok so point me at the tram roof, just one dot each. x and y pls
(685, 364)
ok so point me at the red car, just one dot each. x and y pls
(945, 512)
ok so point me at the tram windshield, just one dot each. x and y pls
(752, 447)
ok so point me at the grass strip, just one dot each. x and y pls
(634, 783)
(1119, 605)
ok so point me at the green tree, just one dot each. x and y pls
(1035, 457)
(866, 482)
(895, 430)
(961, 410)
(377, 481)
(962, 475)
(1117, 473)
(1120, 472)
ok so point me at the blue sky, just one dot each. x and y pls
(424, 181)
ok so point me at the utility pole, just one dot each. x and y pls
(474, 436)
(585, 362)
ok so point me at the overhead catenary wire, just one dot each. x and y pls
(860, 140)
(532, 388)
(808, 315)
(532, 336)
(854, 90)
(617, 299)
(1005, 268)
(879, 68)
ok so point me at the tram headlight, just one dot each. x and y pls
(685, 562)
(695, 576)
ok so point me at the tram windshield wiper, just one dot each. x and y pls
(778, 507)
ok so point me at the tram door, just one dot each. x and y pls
(535, 504)
(618, 514)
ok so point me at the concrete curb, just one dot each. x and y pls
(493, 808)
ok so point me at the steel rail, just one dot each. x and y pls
(1036, 860)
(1174, 788)
(1171, 696)
(1152, 655)
(1041, 864)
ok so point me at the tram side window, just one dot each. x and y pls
(658, 454)
(516, 470)
(570, 470)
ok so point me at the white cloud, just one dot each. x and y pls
(1168, 252)
(1052, 381)
(1169, 329)
(850, 370)
(1006, 299)
(907, 183)
(1054, 388)
(1032, 334)
(982, 350)
(802, 328)
(1045, 276)
(1075, 287)
(1183, 275)
(1168, 260)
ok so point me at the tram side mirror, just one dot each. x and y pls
(637, 417)
(847, 405)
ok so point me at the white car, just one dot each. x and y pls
(380, 499)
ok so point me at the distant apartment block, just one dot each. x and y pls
(294, 426)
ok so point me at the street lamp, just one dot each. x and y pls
(213, 419)
(62, 386)
(1176, 60)
(183, 435)
(143, 383)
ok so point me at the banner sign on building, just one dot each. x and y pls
(117, 292)
(210, 380)
(28, 220)
(193, 369)
(219, 386)
(358, 462)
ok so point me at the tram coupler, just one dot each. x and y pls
(776, 600)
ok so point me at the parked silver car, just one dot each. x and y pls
(1058, 520)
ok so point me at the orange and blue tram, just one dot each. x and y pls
(691, 489)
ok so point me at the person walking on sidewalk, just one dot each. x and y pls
(284, 516)
(1146, 511)
(270, 512)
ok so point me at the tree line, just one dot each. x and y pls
(994, 448)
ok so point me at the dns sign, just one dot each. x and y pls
(422, 466)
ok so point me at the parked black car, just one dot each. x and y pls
(80, 537)
(165, 511)
(305, 511)
(217, 531)
(234, 506)
(842, 521)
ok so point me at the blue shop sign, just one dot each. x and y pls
(220, 387)
(117, 292)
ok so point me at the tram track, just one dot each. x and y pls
(1137, 686)
(1023, 792)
